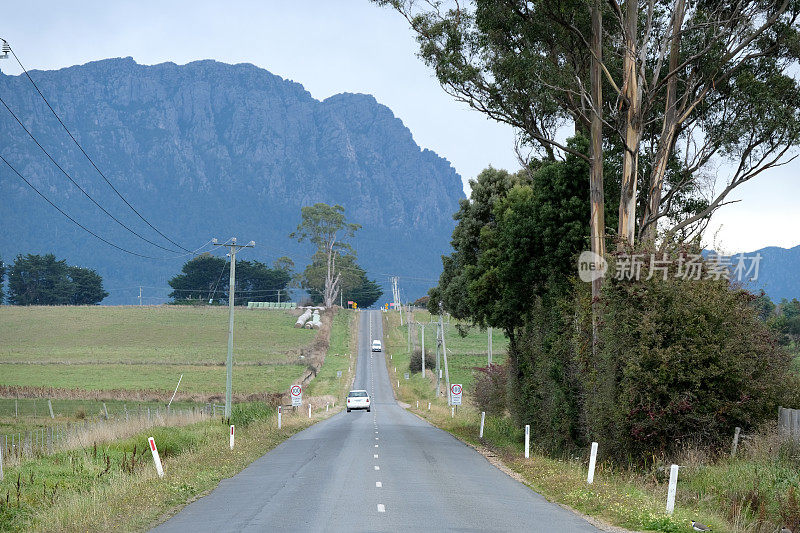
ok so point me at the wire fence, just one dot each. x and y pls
(52, 438)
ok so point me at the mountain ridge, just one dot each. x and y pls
(211, 149)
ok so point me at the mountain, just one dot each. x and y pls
(779, 272)
(208, 150)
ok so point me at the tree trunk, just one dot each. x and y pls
(596, 197)
(649, 220)
(627, 201)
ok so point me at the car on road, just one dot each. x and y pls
(377, 346)
(358, 399)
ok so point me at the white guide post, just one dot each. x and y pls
(231, 436)
(673, 486)
(592, 462)
(279, 417)
(527, 441)
(483, 416)
(156, 458)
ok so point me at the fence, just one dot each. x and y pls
(272, 305)
(789, 422)
(52, 438)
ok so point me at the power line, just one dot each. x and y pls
(69, 217)
(115, 219)
(87, 230)
(84, 152)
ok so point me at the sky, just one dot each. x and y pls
(334, 46)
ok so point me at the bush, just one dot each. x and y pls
(682, 363)
(415, 365)
(243, 414)
(491, 384)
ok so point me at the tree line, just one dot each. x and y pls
(44, 280)
(333, 275)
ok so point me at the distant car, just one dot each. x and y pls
(358, 399)
(376, 346)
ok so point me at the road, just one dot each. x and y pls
(386, 470)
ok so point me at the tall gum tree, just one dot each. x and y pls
(687, 87)
(325, 227)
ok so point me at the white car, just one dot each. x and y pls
(358, 399)
(376, 346)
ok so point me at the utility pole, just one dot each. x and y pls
(490, 347)
(233, 247)
(444, 353)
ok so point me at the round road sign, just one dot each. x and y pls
(296, 390)
(456, 388)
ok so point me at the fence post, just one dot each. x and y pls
(735, 441)
(105, 409)
(50, 407)
(673, 486)
(1, 462)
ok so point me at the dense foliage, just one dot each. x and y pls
(206, 279)
(43, 280)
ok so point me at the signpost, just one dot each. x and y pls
(455, 394)
(297, 395)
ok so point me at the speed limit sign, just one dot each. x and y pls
(297, 395)
(455, 394)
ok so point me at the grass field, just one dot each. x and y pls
(147, 348)
(162, 334)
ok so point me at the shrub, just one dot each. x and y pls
(491, 384)
(682, 363)
(415, 365)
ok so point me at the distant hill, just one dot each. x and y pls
(779, 274)
(215, 150)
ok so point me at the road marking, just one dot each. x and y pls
(378, 484)
(376, 438)
(375, 456)
(376, 445)
(377, 467)
(381, 508)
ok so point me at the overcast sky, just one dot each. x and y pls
(333, 46)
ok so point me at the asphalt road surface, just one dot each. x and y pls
(386, 470)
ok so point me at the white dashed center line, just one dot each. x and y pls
(381, 508)
(378, 484)
(376, 445)
(377, 467)
(375, 456)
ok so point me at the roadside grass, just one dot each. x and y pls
(248, 379)
(343, 346)
(757, 492)
(147, 334)
(107, 487)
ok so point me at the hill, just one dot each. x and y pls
(208, 150)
